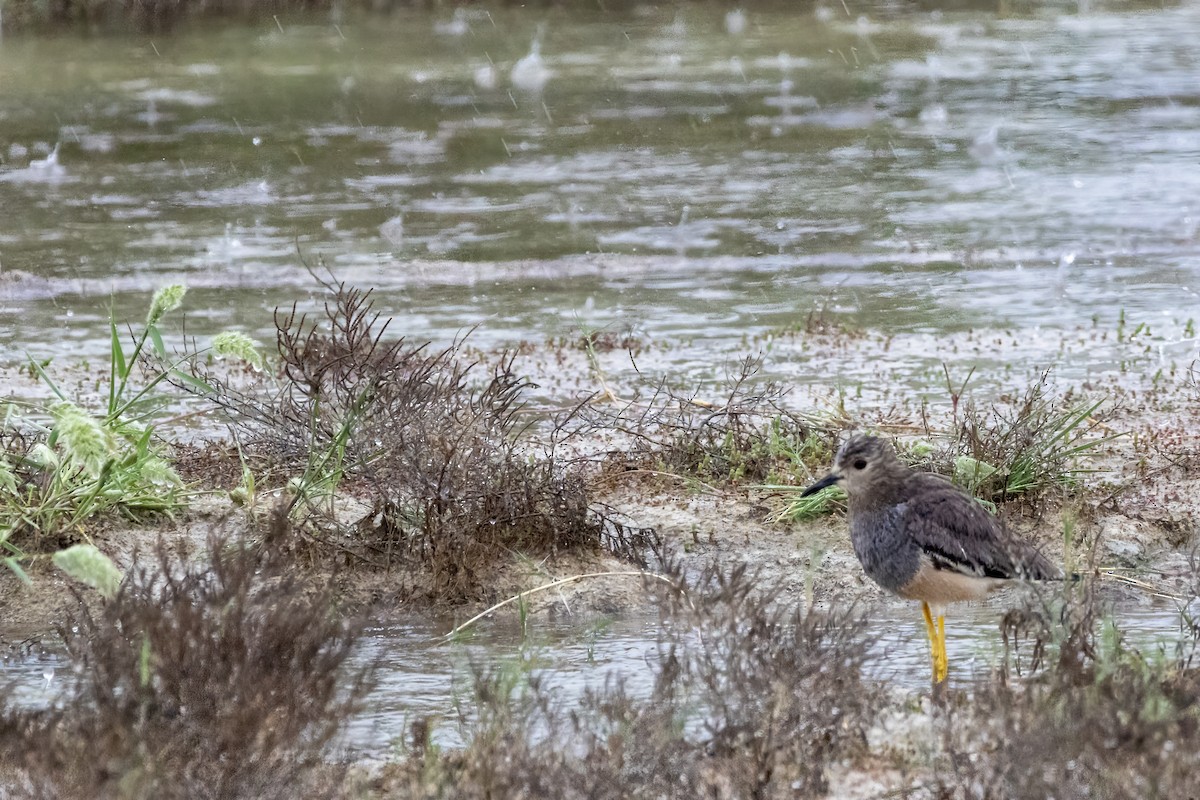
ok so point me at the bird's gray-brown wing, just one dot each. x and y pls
(956, 533)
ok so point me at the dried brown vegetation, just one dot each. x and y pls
(1022, 447)
(144, 15)
(227, 679)
(751, 698)
(16, 449)
(747, 435)
(1095, 717)
(443, 451)
(601, 341)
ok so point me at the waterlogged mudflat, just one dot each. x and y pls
(873, 202)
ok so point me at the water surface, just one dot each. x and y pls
(907, 170)
(421, 676)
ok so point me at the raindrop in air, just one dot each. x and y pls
(49, 165)
(986, 147)
(934, 115)
(457, 26)
(677, 30)
(150, 116)
(393, 230)
(530, 73)
(735, 22)
(487, 77)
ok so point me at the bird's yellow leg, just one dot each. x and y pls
(941, 665)
(937, 643)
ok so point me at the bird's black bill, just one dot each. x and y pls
(828, 480)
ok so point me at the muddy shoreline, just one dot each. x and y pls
(1134, 510)
(669, 463)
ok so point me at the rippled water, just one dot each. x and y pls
(913, 170)
(422, 677)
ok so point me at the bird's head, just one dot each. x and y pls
(862, 465)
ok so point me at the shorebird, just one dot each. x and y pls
(920, 537)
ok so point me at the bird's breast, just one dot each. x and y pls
(887, 553)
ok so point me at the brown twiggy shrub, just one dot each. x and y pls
(1092, 717)
(746, 433)
(224, 679)
(442, 449)
(752, 698)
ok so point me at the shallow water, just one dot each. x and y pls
(909, 171)
(422, 677)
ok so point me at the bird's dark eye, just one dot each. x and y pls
(860, 463)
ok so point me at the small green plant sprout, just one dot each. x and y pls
(1028, 446)
(237, 345)
(8, 478)
(165, 299)
(85, 466)
(594, 633)
(1048, 455)
(970, 472)
(921, 450)
(1069, 522)
(588, 338)
(65, 463)
(245, 494)
(72, 466)
(123, 407)
(326, 465)
(85, 443)
(799, 509)
(86, 564)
